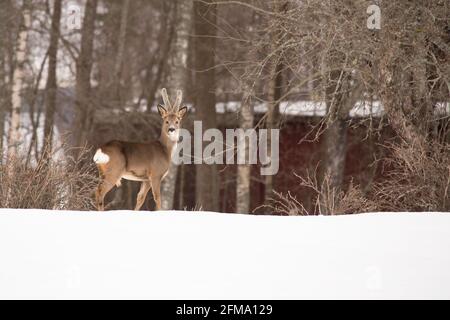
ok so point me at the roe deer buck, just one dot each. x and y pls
(146, 162)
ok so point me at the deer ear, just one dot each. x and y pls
(182, 112)
(162, 111)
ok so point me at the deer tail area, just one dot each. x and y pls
(100, 157)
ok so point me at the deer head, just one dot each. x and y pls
(171, 115)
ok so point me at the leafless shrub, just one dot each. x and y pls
(327, 200)
(418, 179)
(286, 204)
(355, 201)
(54, 182)
(196, 208)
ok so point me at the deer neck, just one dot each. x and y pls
(168, 143)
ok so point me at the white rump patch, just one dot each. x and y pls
(100, 157)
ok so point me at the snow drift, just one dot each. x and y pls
(180, 255)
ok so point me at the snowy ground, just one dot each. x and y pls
(125, 254)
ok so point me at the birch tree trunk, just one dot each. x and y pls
(243, 195)
(177, 80)
(207, 190)
(7, 56)
(83, 77)
(17, 84)
(246, 119)
(52, 87)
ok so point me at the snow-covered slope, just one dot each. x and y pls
(182, 255)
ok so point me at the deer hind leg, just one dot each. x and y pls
(145, 187)
(104, 187)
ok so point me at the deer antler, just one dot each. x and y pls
(166, 98)
(177, 103)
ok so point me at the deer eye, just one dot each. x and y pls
(176, 122)
(167, 122)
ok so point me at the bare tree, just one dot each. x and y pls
(246, 118)
(165, 38)
(5, 65)
(83, 76)
(340, 99)
(274, 90)
(120, 50)
(177, 80)
(404, 65)
(249, 81)
(207, 190)
(17, 83)
(51, 88)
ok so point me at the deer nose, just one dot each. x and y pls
(171, 129)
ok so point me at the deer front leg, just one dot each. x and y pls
(145, 187)
(156, 190)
